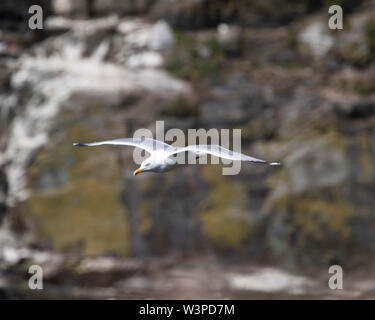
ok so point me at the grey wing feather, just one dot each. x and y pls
(222, 152)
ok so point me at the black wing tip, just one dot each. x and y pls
(77, 144)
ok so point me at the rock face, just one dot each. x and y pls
(71, 97)
(193, 14)
(299, 94)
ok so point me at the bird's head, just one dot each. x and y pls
(147, 165)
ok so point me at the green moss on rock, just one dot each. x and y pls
(313, 214)
(225, 219)
(370, 34)
(180, 107)
(355, 53)
(145, 221)
(84, 212)
(316, 216)
(365, 158)
(187, 60)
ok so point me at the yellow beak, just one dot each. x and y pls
(139, 170)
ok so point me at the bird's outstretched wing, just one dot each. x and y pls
(221, 152)
(150, 145)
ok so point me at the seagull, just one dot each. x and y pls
(162, 155)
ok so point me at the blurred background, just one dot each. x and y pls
(100, 69)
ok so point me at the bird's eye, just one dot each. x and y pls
(147, 164)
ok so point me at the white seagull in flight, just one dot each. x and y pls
(162, 154)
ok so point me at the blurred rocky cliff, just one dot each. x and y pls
(300, 93)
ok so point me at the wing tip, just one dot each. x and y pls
(77, 144)
(274, 163)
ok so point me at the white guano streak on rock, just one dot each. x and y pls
(55, 80)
